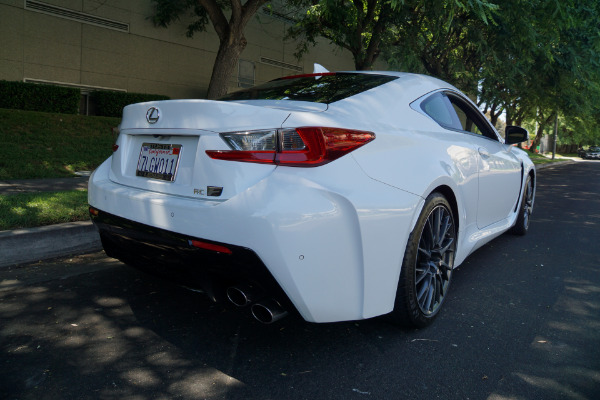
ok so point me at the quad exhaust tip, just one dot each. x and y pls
(268, 311)
(242, 295)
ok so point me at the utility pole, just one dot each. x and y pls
(555, 134)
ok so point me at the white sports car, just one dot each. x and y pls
(340, 196)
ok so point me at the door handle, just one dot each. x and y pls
(483, 152)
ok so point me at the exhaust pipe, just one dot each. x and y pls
(268, 311)
(243, 295)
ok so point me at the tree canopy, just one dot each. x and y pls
(528, 59)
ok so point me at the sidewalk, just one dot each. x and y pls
(27, 245)
(43, 185)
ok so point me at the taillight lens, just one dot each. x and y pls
(294, 147)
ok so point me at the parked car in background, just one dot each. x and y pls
(340, 196)
(592, 153)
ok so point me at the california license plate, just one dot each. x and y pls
(158, 161)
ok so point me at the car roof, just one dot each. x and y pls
(408, 76)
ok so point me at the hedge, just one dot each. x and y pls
(110, 104)
(38, 97)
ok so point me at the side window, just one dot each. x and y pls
(441, 110)
(451, 111)
(471, 120)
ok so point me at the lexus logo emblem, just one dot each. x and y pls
(152, 115)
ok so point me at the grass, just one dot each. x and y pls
(26, 210)
(540, 159)
(44, 145)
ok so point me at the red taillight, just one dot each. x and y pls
(94, 212)
(115, 147)
(263, 157)
(300, 147)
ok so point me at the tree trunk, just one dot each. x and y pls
(540, 132)
(224, 66)
(231, 39)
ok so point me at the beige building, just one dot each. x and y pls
(112, 44)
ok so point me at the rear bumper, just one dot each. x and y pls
(209, 266)
(332, 250)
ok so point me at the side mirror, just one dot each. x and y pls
(515, 134)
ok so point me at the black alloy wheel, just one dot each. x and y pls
(522, 224)
(427, 267)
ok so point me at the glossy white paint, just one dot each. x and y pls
(332, 236)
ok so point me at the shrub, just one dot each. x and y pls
(110, 104)
(38, 97)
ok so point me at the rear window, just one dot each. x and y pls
(324, 88)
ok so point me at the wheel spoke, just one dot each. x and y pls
(430, 291)
(447, 246)
(429, 239)
(421, 274)
(435, 259)
(438, 226)
(444, 230)
(423, 291)
(425, 252)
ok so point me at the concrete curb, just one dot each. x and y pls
(22, 246)
(554, 164)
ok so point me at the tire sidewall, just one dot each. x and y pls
(406, 299)
(521, 225)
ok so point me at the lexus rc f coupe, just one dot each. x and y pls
(337, 196)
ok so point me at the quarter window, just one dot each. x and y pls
(440, 109)
(453, 112)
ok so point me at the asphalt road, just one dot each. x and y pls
(522, 322)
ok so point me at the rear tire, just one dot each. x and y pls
(427, 266)
(522, 224)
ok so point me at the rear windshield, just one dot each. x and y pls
(326, 88)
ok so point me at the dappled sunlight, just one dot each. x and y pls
(495, 396)
(142, 376)
(551, 384)
(56, 323)
(121, 334)
(203, 383)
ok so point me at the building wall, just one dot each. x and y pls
(132, 55)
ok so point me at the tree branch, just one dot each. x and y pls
(215, 13)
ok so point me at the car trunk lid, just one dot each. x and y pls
(162, 147)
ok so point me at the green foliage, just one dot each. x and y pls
(38, 97)
(359, 27)
(547, 61)
(110, 104)
(44, 145)
(168, 11)
(27, 210)
(403, 29)
(447, 39)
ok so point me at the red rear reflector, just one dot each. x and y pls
(115, 147)
(94, 212)
(209, 246)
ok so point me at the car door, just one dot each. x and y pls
(498, 168)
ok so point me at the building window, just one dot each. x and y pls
(246, 71)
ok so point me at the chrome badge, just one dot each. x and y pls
(152, 115)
